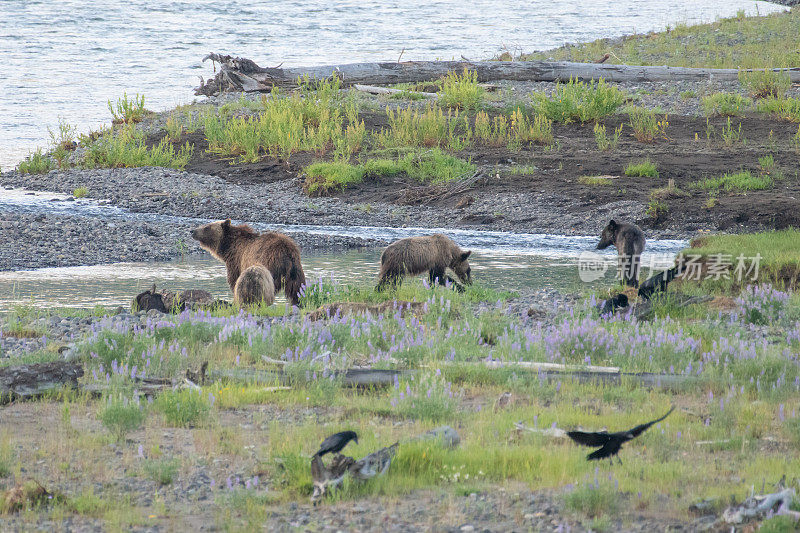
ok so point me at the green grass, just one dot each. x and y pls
(595, 180)
(783, 108)
(725, 104)
(126, 148)
(462, 91)
(120, 416)
(429, 166)
(748, 42)
(162, 471)
(735, 182)
(594, 500)
(643, 169)
(127, 111)
(765, 83)
(182, 408)
(36, 163)
(80, 192)
(578, 101)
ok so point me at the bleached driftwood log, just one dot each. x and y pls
(328, 478)
(371, 89)
(240, 74)
(29, 381)
(760, 506)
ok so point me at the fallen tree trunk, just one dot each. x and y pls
(240, 74)
(29, 381)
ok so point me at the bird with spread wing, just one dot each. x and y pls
(609, 444)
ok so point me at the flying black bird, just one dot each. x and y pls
(336, 442)
(610, 443)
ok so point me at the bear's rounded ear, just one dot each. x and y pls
(464, 255)
(226, 224)
(612, 224)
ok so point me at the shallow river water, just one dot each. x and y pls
(67, 58)
(500, 260)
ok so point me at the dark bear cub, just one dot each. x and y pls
(431, 253)
(629, 241)
(241, 248)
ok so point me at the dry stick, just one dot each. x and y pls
(241, 74)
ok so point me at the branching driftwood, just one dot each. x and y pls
(371, 89)
(328, 478)
(240, 74)
(28, 381)
(761, 506)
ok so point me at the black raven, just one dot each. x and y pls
(610, 443)
(336, 442)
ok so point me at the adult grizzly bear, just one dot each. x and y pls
(629, 241)
(240, 247)
(414, 255)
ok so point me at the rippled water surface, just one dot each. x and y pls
(67, 58)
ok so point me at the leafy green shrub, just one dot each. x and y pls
(579, 101)
(36, 163)
(462, 91)
(120, 416)
(656, 209)
(127, 111)
(725, 104)
(779, 524)
(430, 127)
(173, 127)
(65, 138)
(183, 408)
(765, 83)
(738, 181)
(513, 131)
(646, 125)
(644, 169)
(162, 471)
(80, 192)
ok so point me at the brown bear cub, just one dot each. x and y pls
(414, 255)
(241, 247)
(629, 241)
(254, 286)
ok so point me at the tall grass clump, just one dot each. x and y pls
(578, 101)
(593, 499)
(603, 140)
(765, 83)
(183, 408)
(641, 169)
(462, 91)
(737, 181)
(126, 148)
(120, 416)
(313, 119)
(127, 111)
(162, 471)
(646, 124)
(725, 104)
(36, 163)
(783, 108)
(428, 397)
(431, 128)
(513, 131)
